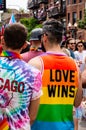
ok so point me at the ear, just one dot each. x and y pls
(25, 44)
(44, 38)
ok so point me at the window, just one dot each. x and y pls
(80, 15)
(74, 1)
(68, 17)
(74, 17)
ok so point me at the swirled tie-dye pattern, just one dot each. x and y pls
(19, 84)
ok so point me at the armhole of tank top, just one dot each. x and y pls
(77, 70)
(42, 65)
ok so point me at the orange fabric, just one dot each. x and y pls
(59, 67)
(60, 62)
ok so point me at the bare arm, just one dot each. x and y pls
(78, 97)
(34, 103)
(33, 109)
(84, 79)
(36, 62)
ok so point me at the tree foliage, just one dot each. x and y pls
(30, 23)
(82, 23)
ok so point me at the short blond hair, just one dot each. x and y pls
(66, 51)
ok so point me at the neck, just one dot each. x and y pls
(80, 51)
(54, 49)
(35, 46)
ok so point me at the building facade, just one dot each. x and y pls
(74, 12)
(45, 9)
(66, 11)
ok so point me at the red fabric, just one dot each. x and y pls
(1, 49)
(31, 54)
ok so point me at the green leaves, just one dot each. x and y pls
(82, 23)
(30, 23)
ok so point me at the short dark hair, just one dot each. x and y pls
(54, 30)
(68, 40)
(84, 45)
(15, 35)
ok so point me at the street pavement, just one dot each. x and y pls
(82, 125)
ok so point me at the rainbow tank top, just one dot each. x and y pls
(60, 81)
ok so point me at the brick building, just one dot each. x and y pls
(74, 12)
(45, 9)
(5, 16)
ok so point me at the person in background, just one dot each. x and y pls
(84, 53)
(64, 49)
(84, 43)
(26, 48)
(20, 83)
(68, 34)
(83, 103)
(79, 55)
(36, 45)
(80, 59)
(63, 44)
(61, 82)
(81, 38)
(84, 84)
(70, 44)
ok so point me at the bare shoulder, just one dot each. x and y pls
(36, 62)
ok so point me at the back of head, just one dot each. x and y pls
(54, 30)
(36, 34)
(15, 35)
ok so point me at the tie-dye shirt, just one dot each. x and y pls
(19, 84)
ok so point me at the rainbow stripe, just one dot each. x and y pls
(10, 54)
(4, 125)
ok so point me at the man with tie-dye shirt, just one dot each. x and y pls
(20, 83)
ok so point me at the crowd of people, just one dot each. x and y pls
(76, 49)
(44, 87)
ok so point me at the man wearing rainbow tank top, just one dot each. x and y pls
(20, 83)
(61, 82)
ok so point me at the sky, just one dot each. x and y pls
(16, 4)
